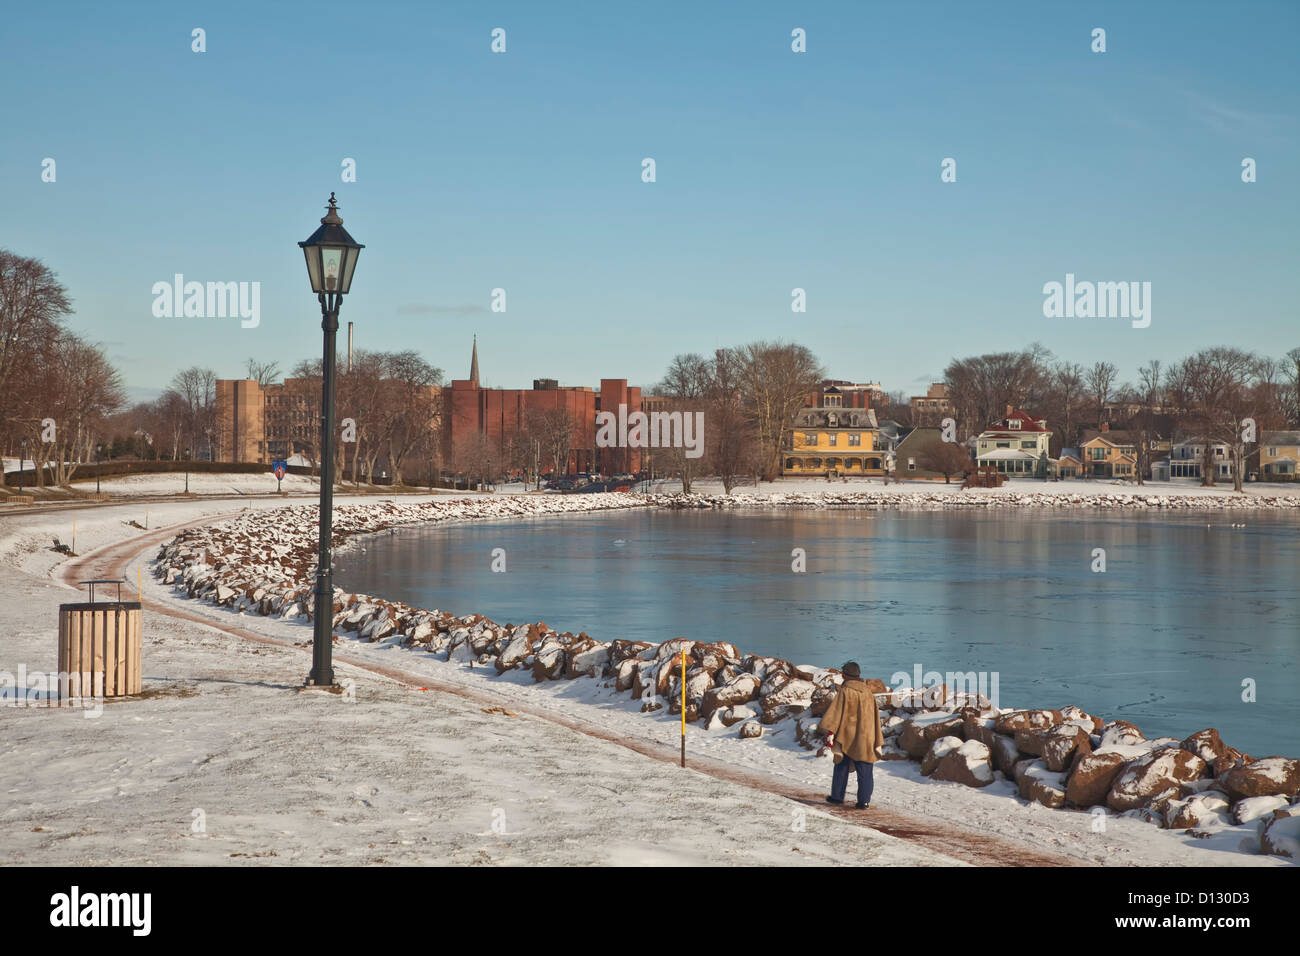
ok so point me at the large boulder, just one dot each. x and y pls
(1271, 776)
(1005, 754)
(1027, 720)
(1040, 785)
(938, 750)
(921, 730)
(1281, 837)
(977, 727)
(698, 682)
(519, 647)
(739, 690)
(1252, 808)
(822, 699)
(968, 764)
(548, 664)
(1151, 775)
(713, 657)
(672, 650)
(1196, 811)
(737, 713)
(625, 673)
(587, 659)
(791, 696)
(1092, 777)
(621, 650)
(1076, 715)
(1064, 744)
(1120, 733)
(1206, 744)
(750, 729)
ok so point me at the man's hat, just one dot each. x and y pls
(851, 669)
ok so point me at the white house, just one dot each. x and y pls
(1017, 445)
(1186, 456)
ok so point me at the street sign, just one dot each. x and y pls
(279, 467)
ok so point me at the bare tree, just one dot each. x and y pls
(553, 430)
(32, 305)
(946, 457)
(1150, 383)
(1100, 380)
(264, 373)
(1216, 388)
(776, 379)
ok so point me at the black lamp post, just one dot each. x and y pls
(187, 471)
(22, 463)
(331, 259)
(99, 452)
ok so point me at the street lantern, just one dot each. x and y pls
(331, 256)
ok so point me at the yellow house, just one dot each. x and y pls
(1103, 458)
(1279, 454)
(832, 441)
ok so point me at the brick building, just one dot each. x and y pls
(502, 415)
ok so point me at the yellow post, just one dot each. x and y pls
(683, 707)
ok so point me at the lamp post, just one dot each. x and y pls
(331, 259)
(187, 471)
(99, 451)
(22, 463)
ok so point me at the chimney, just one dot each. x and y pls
(1009, 411)
(1105, 427)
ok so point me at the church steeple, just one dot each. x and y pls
(473, 363)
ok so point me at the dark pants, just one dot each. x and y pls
(840, 779)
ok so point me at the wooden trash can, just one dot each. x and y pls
(100, 647)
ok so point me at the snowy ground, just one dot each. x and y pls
(408, 776)
(286, 776)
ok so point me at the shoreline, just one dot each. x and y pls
(1058, 758)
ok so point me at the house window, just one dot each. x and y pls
(1013, 424)
(855, 439)
(1098, 454)
(1029, 444)
(911, 464)
(810, 438)
(1003, 444)
(831, 439)
(1272, 453)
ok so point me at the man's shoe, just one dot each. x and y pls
(861, 806)
(834, 801)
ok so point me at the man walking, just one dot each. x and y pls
(852, 729)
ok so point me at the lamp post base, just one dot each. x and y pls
(333, 688)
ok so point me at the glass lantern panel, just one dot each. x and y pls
(332, 266)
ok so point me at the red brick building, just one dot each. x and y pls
(501, 415)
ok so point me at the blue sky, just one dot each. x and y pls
(775, 170)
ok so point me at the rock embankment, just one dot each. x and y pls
(1066, 758)
(982, 499)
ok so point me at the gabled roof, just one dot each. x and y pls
(1279, 438)
(1027, 424)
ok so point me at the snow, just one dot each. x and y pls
(308, 778)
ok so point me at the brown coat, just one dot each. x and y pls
(854, 719)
